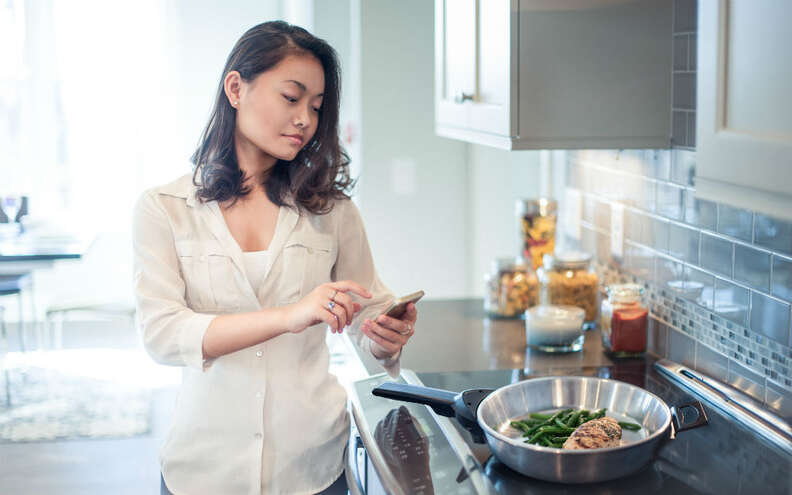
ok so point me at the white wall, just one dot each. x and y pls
(414, 184)
(497, 179)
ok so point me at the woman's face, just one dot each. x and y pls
(278, 111)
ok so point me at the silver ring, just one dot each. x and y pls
(331, 304)
(409, 329)
(334, 294)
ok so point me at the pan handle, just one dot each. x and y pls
(688, 416)
(442, 401)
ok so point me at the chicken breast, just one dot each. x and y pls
(595, 434)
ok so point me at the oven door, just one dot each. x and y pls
(361, 477)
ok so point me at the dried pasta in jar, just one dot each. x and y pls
(568, 279)
(512, 287)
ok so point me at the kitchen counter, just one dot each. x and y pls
(456, 335)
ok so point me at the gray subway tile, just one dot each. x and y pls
(680, 54)
(712, 363)
(692, 55)
(588, 239)
(684, 91)
(779, 400)
(646, 195)
(602, 215)
(747, 381)
(782, 278)
(731, 301)
(670, 201)
(603, 247)
(587, 214)
(683, 166)
(700, 287)
(683, 243)
(700, 212)
(773, 233)
(669, 274)
(691, 136)
(657, 340)
(678, 128)
(752, 267)
(681, 348)
(684, 16)
(735, 222)
(640, 262)
(770, 317)
(662, 163)
(660, 235)
(573, 171)
(716, 254)
(633, 225)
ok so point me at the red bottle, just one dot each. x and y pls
(625, 320)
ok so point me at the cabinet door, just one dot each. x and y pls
(455, 59)
(744, 129)
(496, 68)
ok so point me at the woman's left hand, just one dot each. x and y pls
(388, 334)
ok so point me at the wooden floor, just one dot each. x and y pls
(118, 467)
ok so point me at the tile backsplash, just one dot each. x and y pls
(719, 278)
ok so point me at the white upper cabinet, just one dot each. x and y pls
(554, 74)
(744, 115)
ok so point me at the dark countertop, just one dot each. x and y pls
(456, 335)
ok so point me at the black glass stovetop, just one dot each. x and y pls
(720, 458)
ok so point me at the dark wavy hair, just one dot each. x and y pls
(319, 173)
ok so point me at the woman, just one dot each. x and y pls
(240, 268)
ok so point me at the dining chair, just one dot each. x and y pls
(4, 339)
(56, 314)
(11, 285)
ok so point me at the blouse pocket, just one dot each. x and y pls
(208, 276)
(306, 257)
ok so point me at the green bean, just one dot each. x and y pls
(559, 439)
(573, 419)
(541, 416)
(560, 423)
(629, 426)
(519, 425)
(536, 436)
(598, 414)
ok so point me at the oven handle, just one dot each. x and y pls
(351, 472)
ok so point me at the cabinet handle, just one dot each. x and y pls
(462, 97)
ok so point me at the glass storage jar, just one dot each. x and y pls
(625, 318)
(512, 287)
(568, 279)
(537, 222)
(554, 328)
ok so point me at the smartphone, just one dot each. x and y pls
(399, 306)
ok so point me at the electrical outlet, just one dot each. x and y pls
(617, 230)
(574, 212)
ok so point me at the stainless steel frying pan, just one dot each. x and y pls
(491, 411)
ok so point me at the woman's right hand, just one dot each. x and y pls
(315, 308)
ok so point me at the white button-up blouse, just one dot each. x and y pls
(269, 418)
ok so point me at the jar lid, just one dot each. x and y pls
(536, 207)
(551, 314)
(510, 263)
(567, 260)
(625, 293)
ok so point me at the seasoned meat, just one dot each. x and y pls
(595, 434)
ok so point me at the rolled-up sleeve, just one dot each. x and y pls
(172, 333)
(356, 263)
